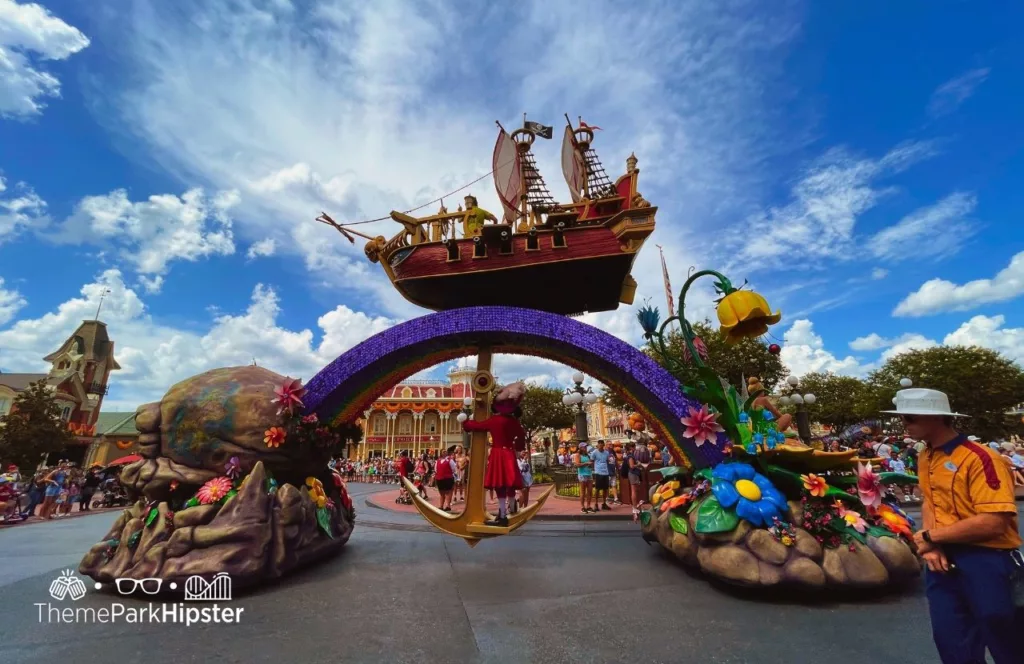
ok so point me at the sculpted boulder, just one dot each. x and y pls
(214, 497)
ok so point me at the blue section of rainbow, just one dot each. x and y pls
(349, 384)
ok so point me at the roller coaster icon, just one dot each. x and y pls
(218, 589)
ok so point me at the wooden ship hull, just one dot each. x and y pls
(573, 271)
(569, 258)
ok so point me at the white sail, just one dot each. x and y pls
(572, 166)
(507, 175)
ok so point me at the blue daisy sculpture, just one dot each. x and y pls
(739, 486)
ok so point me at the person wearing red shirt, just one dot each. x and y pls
(444, 477)
(507, 436)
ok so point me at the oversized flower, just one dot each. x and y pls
(233, 468)
(816, 486)
(744, 314)
(289, 395)
(316, 491)
(648, 317)
(894, 520)
(214, 490)
(854, 520)
(869, 486)
(698, 345)
(751, 493)
(310, 419)
(678, 501)
(273, 436)
(701, 425)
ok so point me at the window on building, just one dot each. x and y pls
(65, 414)
(430, 422)
(407, 393)
(431, 393)
(405, 423)
(379, 423)
(5, 406)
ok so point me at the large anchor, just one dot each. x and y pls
(470, 524)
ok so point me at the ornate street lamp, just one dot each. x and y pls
(581, 398)
(467, 410)
(792, 397)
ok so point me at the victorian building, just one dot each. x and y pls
(417, 416)
(79, 373)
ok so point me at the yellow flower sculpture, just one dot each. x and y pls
(745, 314)
(316, 491)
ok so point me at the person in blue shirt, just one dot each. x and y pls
(585, 473)
(602, 479)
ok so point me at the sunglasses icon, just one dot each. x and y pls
(149, 586)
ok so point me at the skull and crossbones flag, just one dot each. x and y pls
(543, 131)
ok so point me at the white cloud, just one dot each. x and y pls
(265, 247)
(154, 356)
(11, 302)
(370, 133)
(988, 332)
(153, 233)
(804, 352)
(948, 96)
(29, 36)
(895, 345)
(936, 231)
(908, 342)
(938, 295)
(19, 209)
(820, 222)
(879, 273)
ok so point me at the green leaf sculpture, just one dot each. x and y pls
(151, 517)
(133, 541)
(713, 518)
(645, 518)
(679, 524)
(323, 518)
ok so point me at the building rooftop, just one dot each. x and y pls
(116, 424)
(20, 381)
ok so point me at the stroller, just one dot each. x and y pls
(421, 487)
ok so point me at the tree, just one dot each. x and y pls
(543, 409)
(750, 357)
(979, 382)
(613, 399)
(840, 400)
(33, 428)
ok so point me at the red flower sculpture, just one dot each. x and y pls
(698, 344)
(289, 395)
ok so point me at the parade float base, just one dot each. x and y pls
(753, 558)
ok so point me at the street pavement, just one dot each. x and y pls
(400, 592)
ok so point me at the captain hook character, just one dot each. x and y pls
(507, 437)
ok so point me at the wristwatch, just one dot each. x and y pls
(927, 536)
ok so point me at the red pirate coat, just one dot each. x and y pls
(507, 436)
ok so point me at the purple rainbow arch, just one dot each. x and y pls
(349, 384)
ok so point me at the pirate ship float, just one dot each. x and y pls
(454, 259)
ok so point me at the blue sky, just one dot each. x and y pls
(858, 163)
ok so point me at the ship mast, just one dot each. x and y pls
(535, 191)
(596, 184)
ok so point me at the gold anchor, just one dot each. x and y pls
(469, 525)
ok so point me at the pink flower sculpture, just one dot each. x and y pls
(869, 486)
(701, 425)
(310, 419)
(854, 520)
(289, 395)
(233, 468)
(214, 490)
(698, 344)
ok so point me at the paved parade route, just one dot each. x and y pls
(557, 592)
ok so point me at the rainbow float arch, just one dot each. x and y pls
(349, 384)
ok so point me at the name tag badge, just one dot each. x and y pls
(950, 466)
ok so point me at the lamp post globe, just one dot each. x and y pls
(785, 400)
(578, 378)
(906, 382)
(461, 417)
(796, 399)
(810, 399)
(591, 398)
(467, 402)
(793, 380)
(567, 399)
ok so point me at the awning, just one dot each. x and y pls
(125, 460)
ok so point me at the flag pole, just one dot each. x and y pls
(668, 282)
